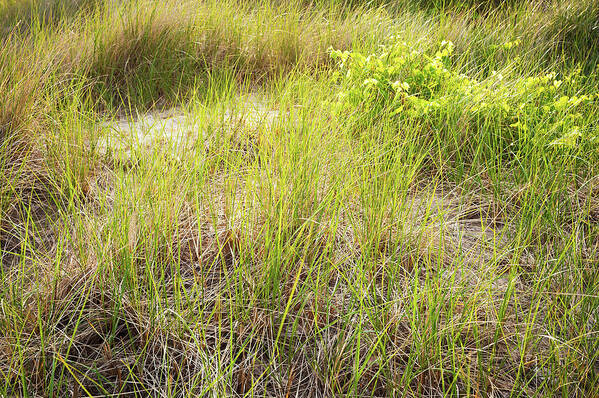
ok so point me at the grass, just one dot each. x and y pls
(302, 231)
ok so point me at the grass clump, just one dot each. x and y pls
(200, 199)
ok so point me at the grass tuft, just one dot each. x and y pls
(330, 198)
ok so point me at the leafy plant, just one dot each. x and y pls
(403, 82)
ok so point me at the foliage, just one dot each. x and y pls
(403, 82)
(419, 218)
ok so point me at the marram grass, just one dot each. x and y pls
(359, 199)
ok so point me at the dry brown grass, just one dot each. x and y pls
(277, 256)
